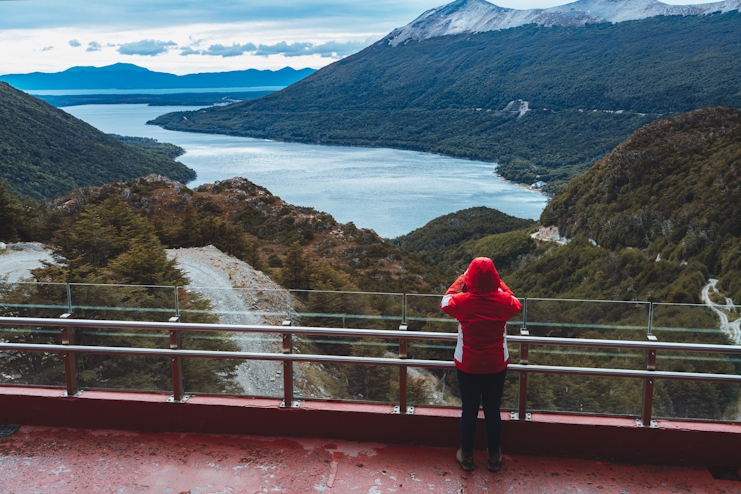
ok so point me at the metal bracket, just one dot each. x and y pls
(653, 425)
(516, 416)
(397, 411)
(294, 404)
(172, 399)
(76, 395)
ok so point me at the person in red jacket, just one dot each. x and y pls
(481, 303)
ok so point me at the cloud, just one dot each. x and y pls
(333, 49)
(330, 49)
(93, 46)
(229, 51)
(293, 50)
(74, 43)
(146, 47)
(47, 48)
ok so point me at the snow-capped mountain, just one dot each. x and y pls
(475, 16)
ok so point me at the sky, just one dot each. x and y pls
(189, 36)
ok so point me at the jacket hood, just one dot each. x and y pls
(482, 276)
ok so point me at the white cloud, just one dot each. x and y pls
(234, 50)
(74, 43)
(293, 50)
(329, 49)
(93, 46)
(47, 48)
(146, 47)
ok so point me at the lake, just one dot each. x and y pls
(390, 191)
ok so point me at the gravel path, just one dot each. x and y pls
(240, 295)
(17, 260)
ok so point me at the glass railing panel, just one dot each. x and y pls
(31, 368)
(235, 305)
(697, 400)
(690, 323)
(597, 319)
(584, 394)
(261, 378)
(319, 381)
(346, 381)
(423, 314)
(359, 310)
(698, 324)
(123, 302)
(367, 383)
(33, 299)
(125, 373)
(45, 300)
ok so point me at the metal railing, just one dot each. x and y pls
(67, 326)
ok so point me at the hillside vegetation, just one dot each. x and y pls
(587, 89)
(45, 152)
(451, 241)
(672, 190)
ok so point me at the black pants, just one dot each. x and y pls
(478, 389)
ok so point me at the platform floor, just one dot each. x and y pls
(52, 460)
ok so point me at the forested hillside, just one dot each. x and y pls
(672, 191)
(452, 240)
(544, 102)
(45, 152)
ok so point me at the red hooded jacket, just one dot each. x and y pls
(482, 311)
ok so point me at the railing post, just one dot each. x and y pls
(70, 361)
(648, 388)
(176, 363)
(288, 370)
(403, 408)
(524, 356)
(69, 300)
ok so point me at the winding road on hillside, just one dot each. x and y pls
(731, 328)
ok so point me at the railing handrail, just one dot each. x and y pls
(362, 333)
(339, 359)
(175, 353)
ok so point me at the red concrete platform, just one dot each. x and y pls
(58, 460)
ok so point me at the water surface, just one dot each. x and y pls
(391, 191)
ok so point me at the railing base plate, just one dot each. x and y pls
(172, 399)
(76, 395)
(294, 404)
(397, 411)
(652, 425)
(516, 416)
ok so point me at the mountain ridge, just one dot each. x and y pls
(46, 152)
(130, 76)
(477, 16)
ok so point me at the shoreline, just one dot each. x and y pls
(524, 186)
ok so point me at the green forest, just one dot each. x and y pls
(45, 152)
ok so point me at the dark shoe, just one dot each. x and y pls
(495, 461)
(465, 460)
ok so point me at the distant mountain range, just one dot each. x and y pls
(129, 76)
(478, 16)
(544, 102)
